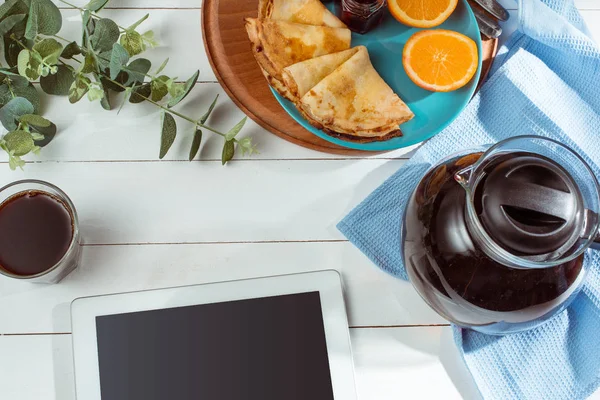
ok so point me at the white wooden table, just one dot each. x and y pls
(151, 224)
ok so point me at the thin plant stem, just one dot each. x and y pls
(170, 110)
(91, 13)
(62, 38)
(124, 68)
(14, 38)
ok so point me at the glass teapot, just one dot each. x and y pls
(495, 241)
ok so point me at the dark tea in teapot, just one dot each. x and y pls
(522, 206)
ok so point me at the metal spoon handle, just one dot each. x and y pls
(494, 8)
(487, 25)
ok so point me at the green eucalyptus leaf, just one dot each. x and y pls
(31, 94)
(210, 110)
(7, 24)
(89, 64)
(96, 5)
(162, 66)
(49, 49)
(176, 89)
(106, 33)
(7, 8)
(228, 151)
(195, 144)
(28, 92)
(23, 62)
(47, 138)
(15, 80)
(169, 132)
(103, 59)
(13, 110)
(59, 83)
(86, 20)
(145, 90)
(160, 87)
(44, 18)
(18, 143)
(70, 50)
(132, 42)
(148, 38)
(246, 145)
(36, 120)
(115, 86)
(47, 133)
(95, 94)
(15, 162)
(137, 70)
(138, 22)
(36, 136)
(11, 52)
(189, 85)
(105, 100)
(79, 88)
(118, 59)
(236, 129)
(19, 29)
(29, 64)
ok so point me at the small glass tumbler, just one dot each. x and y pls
(70, 259)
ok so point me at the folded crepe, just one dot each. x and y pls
(309, 12)
(303, 76)
(355, 103)
(278, 44)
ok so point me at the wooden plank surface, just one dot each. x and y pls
(175, 202)
(373, 297)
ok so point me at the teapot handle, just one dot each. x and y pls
(596, 243)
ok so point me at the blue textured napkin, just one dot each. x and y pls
(545, 81)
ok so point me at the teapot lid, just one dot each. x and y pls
(530, 205)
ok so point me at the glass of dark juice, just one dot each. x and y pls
(39, 232)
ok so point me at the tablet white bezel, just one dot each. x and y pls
(85, 310)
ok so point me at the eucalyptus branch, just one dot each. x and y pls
(196, 122)
(106, 66)
(84, 51)
(170, 110)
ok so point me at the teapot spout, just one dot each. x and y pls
(463, 176)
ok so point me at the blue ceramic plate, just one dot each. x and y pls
(433, 111)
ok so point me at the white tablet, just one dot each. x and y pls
(283, 337)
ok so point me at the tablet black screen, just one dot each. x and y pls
(269, 348)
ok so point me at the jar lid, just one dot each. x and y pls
(530, 206)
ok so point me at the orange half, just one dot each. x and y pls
(422, 13)
(440, 60)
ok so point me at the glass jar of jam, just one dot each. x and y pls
(361, 16)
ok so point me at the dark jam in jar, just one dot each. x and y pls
(361, 16)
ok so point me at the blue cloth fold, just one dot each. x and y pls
(545, 81)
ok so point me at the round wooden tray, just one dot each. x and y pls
(230, 56)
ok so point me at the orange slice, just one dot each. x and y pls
(422, 13)
(440, 60)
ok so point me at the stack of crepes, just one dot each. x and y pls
(304, 52)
